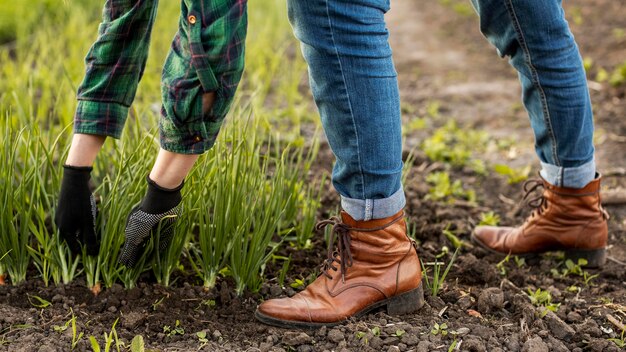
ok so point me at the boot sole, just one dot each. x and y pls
(596, 258)
(404, 303)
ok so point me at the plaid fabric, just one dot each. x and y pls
(207, 55)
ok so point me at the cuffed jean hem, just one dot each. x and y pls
(569, 177)
(369, 209)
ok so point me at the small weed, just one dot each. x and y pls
(399, 333)
(297, 283)
(618, 77)
(202, 339)
(177, 330)
(620, 342)
(541, 298)
(501, 266)
(109, 339)
(137, 344)
(438, 278)
(376, 331)
(452, 237)
(361, 335)
(157, 303)
(38, 302)
(454, 146)
(489, 219)
(443, 189)
(572, 268)
(440, 329)
(514, 175)
(70, 323)
(453, 345)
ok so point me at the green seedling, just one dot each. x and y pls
(576, 269)
(541, 298)
(284, 269)
(202, 339)
(176, 330)
(443, 189)
(361, 335)
(514, 176)
(618, 77)
(440, 329)
(489, 219)
(76, 337)
(453, 345)
(452, 237)
(375, 331)
(619, 342)
(399, 333)
(297, 283)
(438, 278)
(520, 262)
(137, 344)
(157, 303)
(110, 339)
(454, 146)
(38, 302)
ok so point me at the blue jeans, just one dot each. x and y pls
(354, 83)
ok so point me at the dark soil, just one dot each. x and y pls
(441, 57)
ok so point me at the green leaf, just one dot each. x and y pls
(137, 344)
(94, 344)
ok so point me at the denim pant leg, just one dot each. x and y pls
(354, 83)
(536, 37)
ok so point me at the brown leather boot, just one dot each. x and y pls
(375, 265)
(564, 219)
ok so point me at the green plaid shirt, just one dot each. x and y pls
(207, 55)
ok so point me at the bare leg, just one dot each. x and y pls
(84, 149)
(170, 169)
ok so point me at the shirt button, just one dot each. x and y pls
(192, 19)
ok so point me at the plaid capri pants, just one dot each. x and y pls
(206, 56)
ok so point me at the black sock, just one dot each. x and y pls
(158, 200)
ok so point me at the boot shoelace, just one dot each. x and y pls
(341, 232)
(538, 202)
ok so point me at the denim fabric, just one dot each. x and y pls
(536, 37)
(354, 82)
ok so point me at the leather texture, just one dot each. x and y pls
(384, 265)
(565, 219)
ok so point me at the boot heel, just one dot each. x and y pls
(596, 258)
(407, 302)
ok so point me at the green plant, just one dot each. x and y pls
(76, 337)
(109, 339)
(619, 342)
(454, 146)
(443, 189)
(452, 237)
(38, 302)
(572, 268)
(176, 330)
(438, 278)
(202, 339)
(137, 344)
(489, 219)
(399, 333)
(514, 175)
(618, 77)
(440, 329)
(541, 298)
